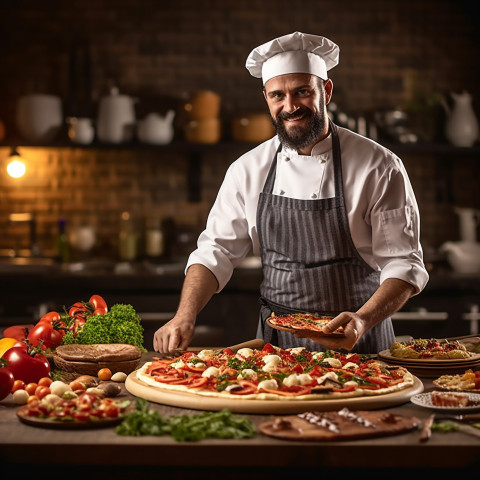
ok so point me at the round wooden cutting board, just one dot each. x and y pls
(198, 402)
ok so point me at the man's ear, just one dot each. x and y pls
(328, 85)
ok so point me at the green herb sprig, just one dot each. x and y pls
(185, 428)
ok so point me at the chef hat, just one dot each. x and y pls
(294, 53)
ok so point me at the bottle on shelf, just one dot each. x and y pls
(128, 238)
(62, 242)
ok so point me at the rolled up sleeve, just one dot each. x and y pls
(395, 224)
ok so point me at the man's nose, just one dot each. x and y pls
(290, 106)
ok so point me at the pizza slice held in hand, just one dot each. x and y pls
(296, 322)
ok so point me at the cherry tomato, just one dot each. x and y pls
(112, 411)
(45, 335)
(99, 304)
(41, 391)
(26, 364)
(268, 348)
(32, 399)
(18, 385)
(104, 374)
(7, 379)
(45, 382)
(31, 387)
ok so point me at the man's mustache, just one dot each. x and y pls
(296, 113)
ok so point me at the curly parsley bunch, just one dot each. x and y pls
(120, 325)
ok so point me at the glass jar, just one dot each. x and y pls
(154, 238)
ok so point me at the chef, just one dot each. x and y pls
(331, 213)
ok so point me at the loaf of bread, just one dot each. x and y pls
(89, 359)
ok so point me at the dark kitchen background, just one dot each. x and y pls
(401, 57)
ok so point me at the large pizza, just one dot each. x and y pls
(273, 373)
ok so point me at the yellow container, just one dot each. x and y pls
(253, 128)
(207, 130)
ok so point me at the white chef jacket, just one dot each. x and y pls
(382, 210)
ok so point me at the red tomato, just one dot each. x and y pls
(54, 319)
(77, 325)
(79, 309)
(6, 379)
(50, 317)
(45, 335)
(297, 368)
(17, 331)
(268, 348)
(27, 364)
(99, 304)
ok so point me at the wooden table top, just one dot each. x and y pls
(20, 443)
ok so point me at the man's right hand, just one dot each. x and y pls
(177, 333)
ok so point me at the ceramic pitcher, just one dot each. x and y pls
(461, 128)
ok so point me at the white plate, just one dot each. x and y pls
(425, 400)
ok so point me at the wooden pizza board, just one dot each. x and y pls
(293, 427)
(198, 402)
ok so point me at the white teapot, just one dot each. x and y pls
(156, 129)
(461, 128)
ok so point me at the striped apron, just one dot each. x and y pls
(310, 263)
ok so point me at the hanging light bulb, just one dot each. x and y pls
(16, 165)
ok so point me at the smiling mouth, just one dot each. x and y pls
(294, 117)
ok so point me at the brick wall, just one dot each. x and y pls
(159, 52)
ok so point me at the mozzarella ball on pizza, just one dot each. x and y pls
(268, 384)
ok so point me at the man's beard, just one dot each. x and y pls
(298, 136)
